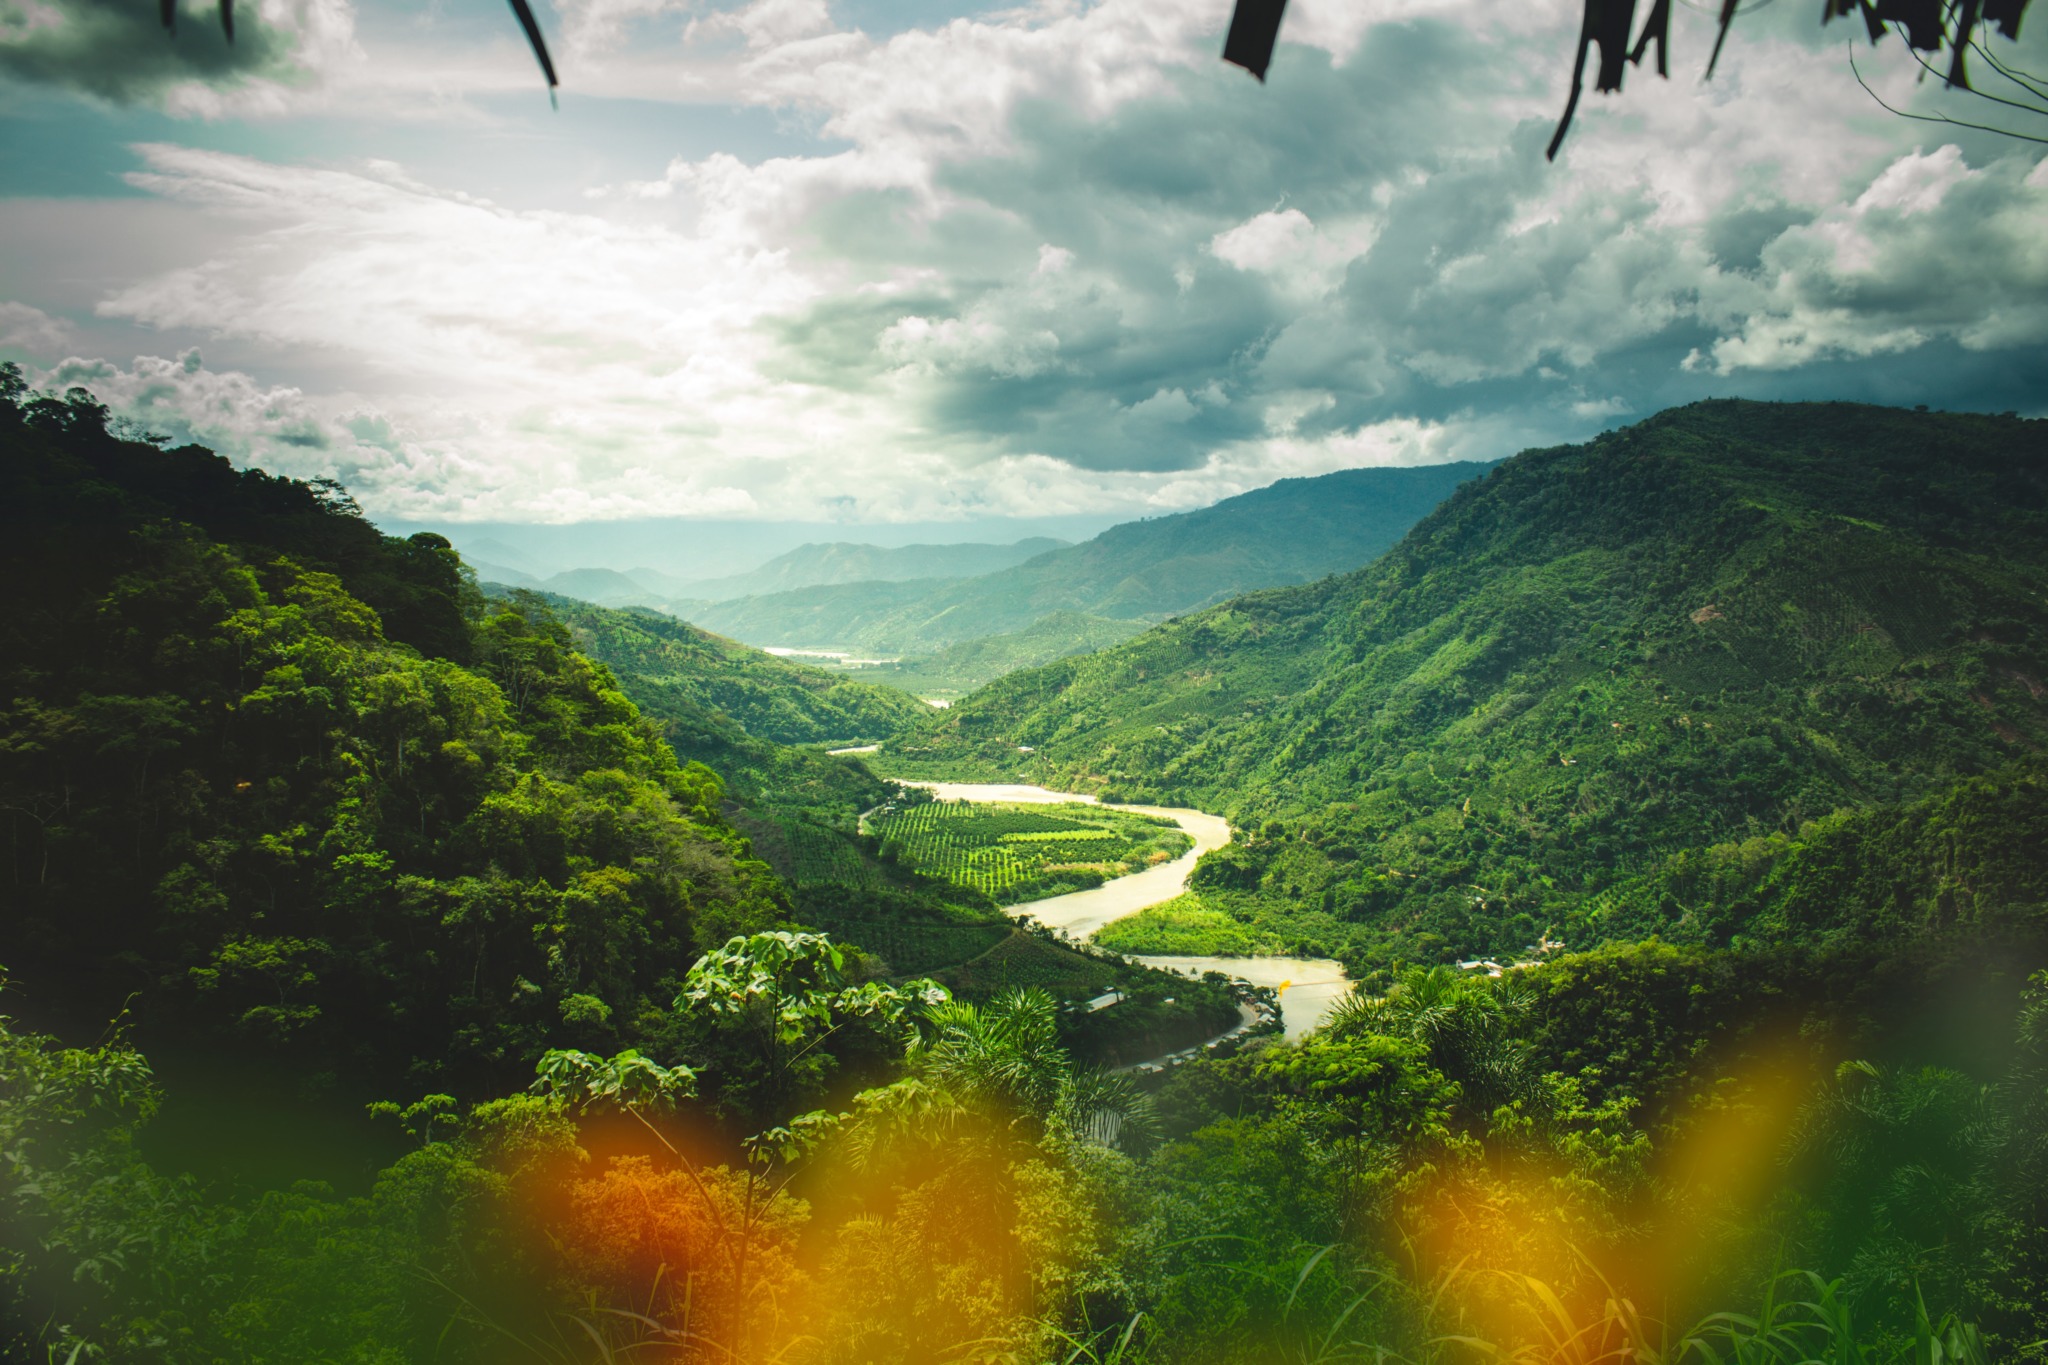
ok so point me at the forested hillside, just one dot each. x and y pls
(961, 668)
(1715, 626)
(769, 698)
(1290, 532)
(294, 790)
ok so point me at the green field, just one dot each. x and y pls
(1016, 852)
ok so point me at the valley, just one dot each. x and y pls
(1700, 632)
(1308, 989)
(487, 960)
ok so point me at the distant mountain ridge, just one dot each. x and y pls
(807, 566)
(842, 562)
(1292, 531)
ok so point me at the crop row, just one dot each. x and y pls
(820, 857)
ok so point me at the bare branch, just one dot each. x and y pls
(1928, 67)
(2026, 80)
(1936, 118)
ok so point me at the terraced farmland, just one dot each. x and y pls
(1018, 853)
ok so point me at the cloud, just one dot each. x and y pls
(1060, 258)
(1932, 249)
(590, 27)
(31, 331)
(182, 400)
(118, 50)
(1375, 235)
(766, 25)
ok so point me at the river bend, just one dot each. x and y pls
(1309, 987)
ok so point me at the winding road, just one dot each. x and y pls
(1309, 987)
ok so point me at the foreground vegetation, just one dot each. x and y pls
(386, 985)
(1415, 1183)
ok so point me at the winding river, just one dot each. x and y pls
(1309, 987)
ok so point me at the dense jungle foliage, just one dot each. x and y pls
(1722, 625)
(298, 819)
(298, 794)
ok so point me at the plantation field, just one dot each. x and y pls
(1019, 853)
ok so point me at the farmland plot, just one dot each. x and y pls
(1020, 853)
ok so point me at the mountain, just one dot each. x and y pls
(291, 804)
(766, 697)
(504, 575)
(1717, 625)
(606, 587)
(816, 565)
(1293, 531)
(845, 615)
(298, 806)
(961, 668)
(804, 567)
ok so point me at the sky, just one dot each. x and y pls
(968, 270)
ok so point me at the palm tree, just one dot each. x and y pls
(1003, 1063)
(1470, 1024)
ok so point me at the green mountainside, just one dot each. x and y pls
(1715, 626)
(367, 850)
(844, 615)
(741, 713)
(1293, 531)
(299, 796)
(769, 698)
(607, 587)
(961, 668)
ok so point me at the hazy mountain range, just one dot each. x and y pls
(1294, 531)
(962, 615)
(804, 567)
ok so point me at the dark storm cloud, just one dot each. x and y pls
(1376, 240)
